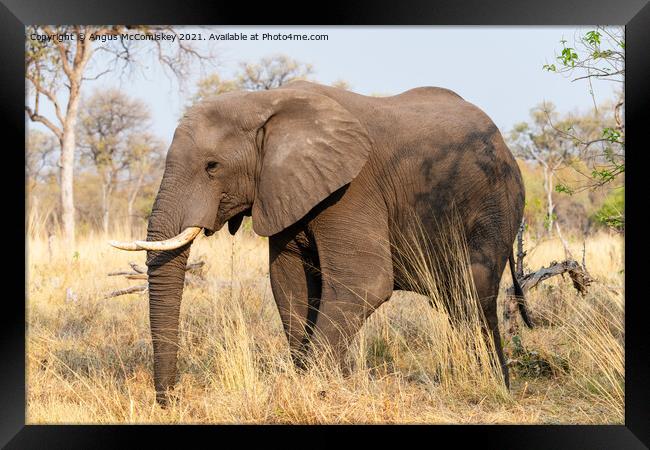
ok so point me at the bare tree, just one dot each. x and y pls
(107, 124)
(213, 85)
(598, 156)
(147, 161)
(272, 72)
(41, 148)
(268, 73)
(540, 142)
(39, 164)
(341, 84)
(57, 62)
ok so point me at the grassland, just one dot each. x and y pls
(89, 359)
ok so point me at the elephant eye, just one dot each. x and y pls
(211, 166)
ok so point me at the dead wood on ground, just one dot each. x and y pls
(578, 274)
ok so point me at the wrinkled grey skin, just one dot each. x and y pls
(330, 177)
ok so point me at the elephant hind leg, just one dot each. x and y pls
(487, 288)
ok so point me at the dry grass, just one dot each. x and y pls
(90, 358)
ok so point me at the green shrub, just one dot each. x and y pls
(612, 213)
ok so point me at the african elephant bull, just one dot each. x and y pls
(330, 177)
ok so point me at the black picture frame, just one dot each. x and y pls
(635, 14)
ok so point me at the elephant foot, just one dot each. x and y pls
(299, 361)
(162, 399)
(165, 398)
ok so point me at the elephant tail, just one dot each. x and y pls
(519, 293)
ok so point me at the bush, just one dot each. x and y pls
(612, 213)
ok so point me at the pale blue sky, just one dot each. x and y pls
(498, 69)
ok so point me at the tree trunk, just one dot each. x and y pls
(548, 189)
(551, 206)
(519, 266)
(131, 202)
(68, 141)
(129, 218)
(67, 175)
(104, 208)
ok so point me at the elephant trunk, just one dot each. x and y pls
(183, 207)
(166, 279)
(166, 272)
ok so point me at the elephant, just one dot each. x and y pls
(330, 177)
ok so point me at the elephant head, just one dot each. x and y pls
(273, 155)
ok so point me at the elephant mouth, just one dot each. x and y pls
(234, 220)
(187, 235)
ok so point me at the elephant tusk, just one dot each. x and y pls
(186, 236)
(129, 246)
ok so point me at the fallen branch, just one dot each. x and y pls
(137, 268)
(142, 288)
(121, 272)
(580, 278)
(193, 277)
(195, 266)
(193, 280)
(137, 276)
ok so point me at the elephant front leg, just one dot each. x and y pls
(296, 286)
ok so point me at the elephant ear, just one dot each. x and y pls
(311, 146)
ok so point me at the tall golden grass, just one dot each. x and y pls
(89, 359)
